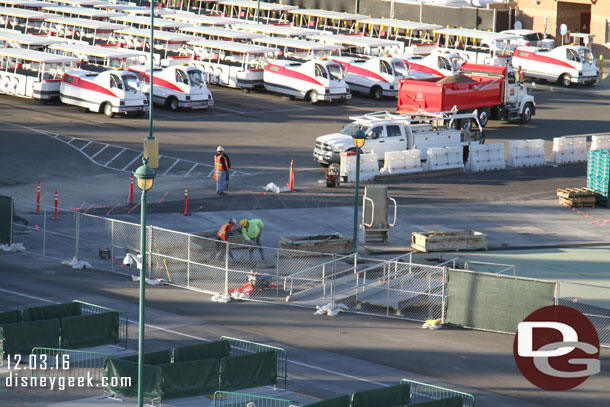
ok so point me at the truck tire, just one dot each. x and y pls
(526, 115)
(376, 93)
(107, 109)
(465, 124)
(172, 103)
(484, 116)
(313, 97)
(566, 80)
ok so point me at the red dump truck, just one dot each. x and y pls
(492, 91)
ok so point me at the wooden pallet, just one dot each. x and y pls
(582, 202)
(569, 193)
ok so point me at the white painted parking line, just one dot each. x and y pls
(131, 162)
(198, 338)
(83, 147)
(102, 149)
(113, 158)
(171, 166)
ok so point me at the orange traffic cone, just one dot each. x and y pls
(291, 177)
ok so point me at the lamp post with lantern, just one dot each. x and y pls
(145, 176)
(359, 138)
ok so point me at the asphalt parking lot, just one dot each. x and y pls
(262, 133)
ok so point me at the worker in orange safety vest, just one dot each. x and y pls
(222, 165)
(222, 237)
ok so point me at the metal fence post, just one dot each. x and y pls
(77, 236)
(227, 268)
(188, 258)
(324, 280)
(443, 295)
(277, 268)
(112, 245)
(44, 232)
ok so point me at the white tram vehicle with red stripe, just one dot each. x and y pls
(177, 86)
(377, 77)
(108, 92)
(437, 64)
(317, 80)
(32, 74)
(567, 64)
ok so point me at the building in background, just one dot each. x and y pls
(584, 16)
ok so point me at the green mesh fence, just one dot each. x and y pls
(228, 399)
(247, 371)
(22, 337)
(58, 311)
(341, 401)
(10, 317)
(210, 350)
(242, 347)
(152, 358)
(450, 402)
(494, 302)
(398, 395)
(422, 392)
(187, 379)
(116, 371)
(52, 362)
(87, 309)
(90, 330)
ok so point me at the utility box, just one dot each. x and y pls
(375, 205)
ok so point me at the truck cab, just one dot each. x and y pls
(316, 80)
(393, 132)
(567, 64)
(178, 86)
(377, 77)
(108, 92)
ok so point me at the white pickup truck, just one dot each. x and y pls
(393, 132)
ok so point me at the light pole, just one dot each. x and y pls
(146, 178)
(359, 139)
(151, 144)
(258, 11)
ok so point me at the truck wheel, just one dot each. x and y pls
(376, 93)
(565, 80)
(107, 109)
(484, 116)
(465, 124)
(172, 103)
(313, 97)
(526, 115)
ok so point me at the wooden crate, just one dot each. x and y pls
(577, 197)
(448, 241)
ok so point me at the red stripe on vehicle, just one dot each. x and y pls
(158, 81)
(356, 70)
(422, 68)
(543, 58)
(88, 85)
(281, 70)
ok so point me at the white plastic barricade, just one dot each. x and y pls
(401, 162)
(569, 149)
(485, 157)
(601, 141)
(369, 167)
(526, 153)
(444, 158)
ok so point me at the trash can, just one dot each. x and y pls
(332, 176)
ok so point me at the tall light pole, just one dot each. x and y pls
(151, 145)
(359, 139)
(146, 178)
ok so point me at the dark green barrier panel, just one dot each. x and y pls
(341, 401)
(70, 309)
(187, 379)
(246, 371)
(398, 395)
(152, 358)
(151, 379)
(23, 336)
(6, 220)
(10, 317)
(89, 330)
(490, 301)
(450, 402)
(212, 350)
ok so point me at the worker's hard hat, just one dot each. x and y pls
(243, 222)
(219, 149)
(233, 221)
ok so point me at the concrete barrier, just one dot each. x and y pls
(526, 153)
(569, 149)
(369, 167)
(601, 141)
(401, 162)
(444, 158)
(485, 157)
